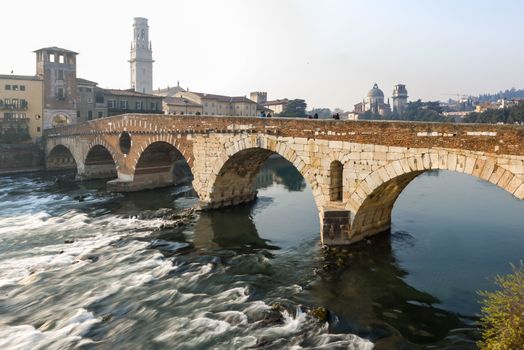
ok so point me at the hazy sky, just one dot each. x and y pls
(329, 52)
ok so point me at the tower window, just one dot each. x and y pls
(61, 59)
(51, 57)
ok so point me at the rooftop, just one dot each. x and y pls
(275, 102)
(56, 49)
(130, 93)
(20, 77)
(169, 91)
(85, 81)
(222, 98)
(180, 101)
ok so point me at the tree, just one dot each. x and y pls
(294, 109)
(503, 313)
(322, 112)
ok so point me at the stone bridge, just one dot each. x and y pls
(356, 170)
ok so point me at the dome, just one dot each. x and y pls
(375, 92)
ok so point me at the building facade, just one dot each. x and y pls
(221, 105)
(141, 60)
(181, 106)
(86, 107)
(21, 107)
(276, 106)
(110, 102)
(57, 68)
(400, 99)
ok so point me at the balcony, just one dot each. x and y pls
(14, 107)
(13, 120)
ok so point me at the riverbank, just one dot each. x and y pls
(21, 158)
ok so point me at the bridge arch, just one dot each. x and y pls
(160, 163)
(234, 174)
(373, 200)
(60, 157)
(100, 162)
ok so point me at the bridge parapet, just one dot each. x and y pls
(503, 139)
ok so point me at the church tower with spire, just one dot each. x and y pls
(141, 57)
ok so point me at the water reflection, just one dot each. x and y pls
(365, 287)
(277, 170)
(231, 228)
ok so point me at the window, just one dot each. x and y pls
(77, 114)
(99, 98)
(60, 93)
(61, 59)
(89, 89)
(89, 100)
(15, 87)
(37, 129)
(80, 89)
(335, 184)
(51, 57)
(22, 87)
(8, 87)
(60, 74)
(14, 103)
(153, 106)
(123, 104)
(139, 105)
(110, 103)
(100, 114)
(89, 115)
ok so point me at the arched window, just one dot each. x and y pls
(335, 185)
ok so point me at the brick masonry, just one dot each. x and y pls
(225, 154)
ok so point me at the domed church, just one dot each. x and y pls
(374, 101)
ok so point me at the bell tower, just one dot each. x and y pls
(141, 57)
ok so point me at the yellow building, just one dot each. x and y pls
(21, 104)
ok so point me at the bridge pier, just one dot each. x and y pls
(99, 171)
(335, 226)
(229, 201)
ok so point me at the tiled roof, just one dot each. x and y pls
(180, 101)
(170, 91)
(130, 92)
(20, 77)
(85, 81)
(223, 98)
(56, 49)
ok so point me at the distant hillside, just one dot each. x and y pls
(508, 94)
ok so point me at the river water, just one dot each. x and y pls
(84, 268)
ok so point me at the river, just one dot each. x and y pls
(84, 268)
